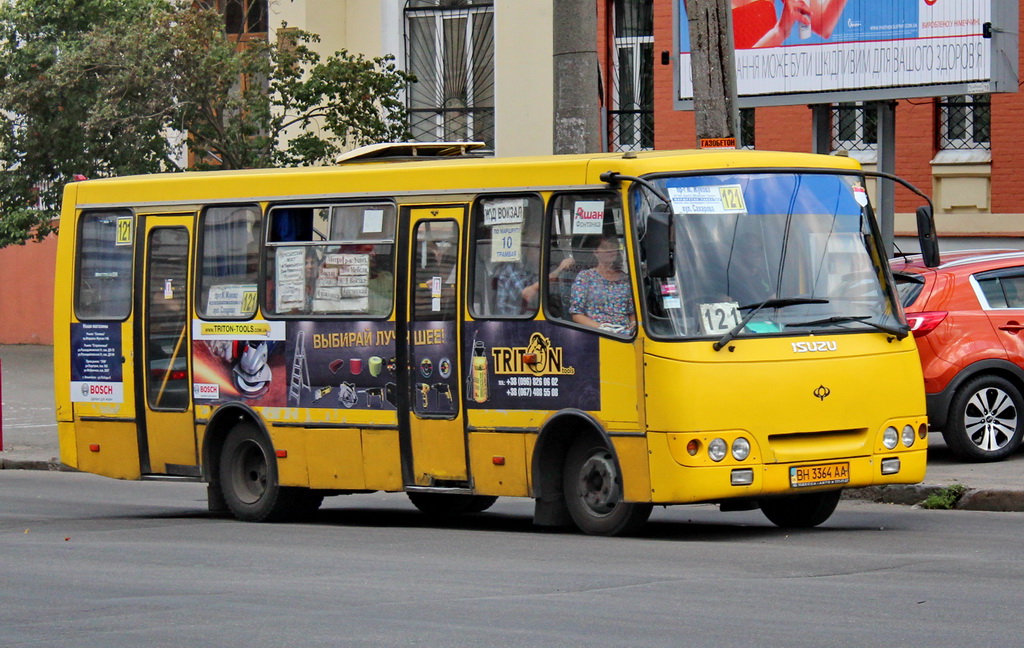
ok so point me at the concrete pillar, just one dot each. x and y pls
(577, 113)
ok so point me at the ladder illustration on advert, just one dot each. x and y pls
(300, 372)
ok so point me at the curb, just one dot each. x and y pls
(973, 499)
(53, 464)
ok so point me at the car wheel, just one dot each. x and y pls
(986, 420)
(801, 511)
(593, 492)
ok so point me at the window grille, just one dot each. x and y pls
(450, 49)
(854, 127)
(631, 117)
(965, 122)
(746, 138)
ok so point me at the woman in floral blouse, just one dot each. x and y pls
(601, 296)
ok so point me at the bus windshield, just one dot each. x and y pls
(760, 254)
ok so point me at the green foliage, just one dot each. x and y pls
(945, 498)
(110, 87)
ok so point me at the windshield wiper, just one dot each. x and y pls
(899, 331)
(773, 302)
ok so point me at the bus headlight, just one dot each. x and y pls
(890, 438)
(717, 449)
(908, 435)
(740, 449)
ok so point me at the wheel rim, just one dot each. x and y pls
(990, 419)
(597, 483)
(249, 473)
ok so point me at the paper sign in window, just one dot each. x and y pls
(373, 221)
(506, 243)
(721, 199)
(290, 276)
(588, 217)
(509, 210)
(231, 300)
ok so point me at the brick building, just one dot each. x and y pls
(961, 150)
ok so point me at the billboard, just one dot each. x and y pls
(798, 51)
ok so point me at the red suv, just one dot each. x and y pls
(968, 317)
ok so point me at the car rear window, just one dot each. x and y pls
(908, 287)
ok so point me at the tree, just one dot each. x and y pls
(114, 87)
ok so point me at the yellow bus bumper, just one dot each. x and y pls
(673, 483)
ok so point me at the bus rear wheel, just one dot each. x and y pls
(593, 492)
(801, 511)
(248, 476)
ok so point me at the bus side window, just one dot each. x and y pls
(331, 260)
(578, 222)
(506, 256)
(103, 289)
(230, 247)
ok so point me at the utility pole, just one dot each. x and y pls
(577, 118)
(713, 70)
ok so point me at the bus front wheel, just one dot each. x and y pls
(801, 511)
(593, 492)
(248, 476)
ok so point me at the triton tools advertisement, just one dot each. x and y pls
(530, 365)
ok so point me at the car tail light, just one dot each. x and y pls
(922, 324)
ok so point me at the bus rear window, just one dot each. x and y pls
(103, 288)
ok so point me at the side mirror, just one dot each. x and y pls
(658, 243)
(926, 237)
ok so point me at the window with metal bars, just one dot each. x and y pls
(631, 117)
(746, 138)
(854, 127)
(965, 122)
(450, 49)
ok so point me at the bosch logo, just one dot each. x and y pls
(85, 390)
(814, 347)
(103, 390)
(207, 389)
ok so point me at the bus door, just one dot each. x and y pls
(167, 441)
(434, 442)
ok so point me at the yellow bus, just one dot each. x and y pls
(601, 333)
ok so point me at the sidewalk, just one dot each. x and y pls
(30, 442)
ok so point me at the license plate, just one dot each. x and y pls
(821, 475)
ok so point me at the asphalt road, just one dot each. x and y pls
(89, 561)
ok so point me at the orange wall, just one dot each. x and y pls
(26, 292)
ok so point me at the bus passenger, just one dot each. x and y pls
(601, 296)
(518, 289)
(513, 285)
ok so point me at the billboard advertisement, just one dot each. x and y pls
(864, 49)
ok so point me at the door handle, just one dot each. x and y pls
(1012, 327)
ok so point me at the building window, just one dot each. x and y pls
(965, 123)
(244, 16)
(631, 118)
(746, 138)
(450, 49)
(854, 127)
